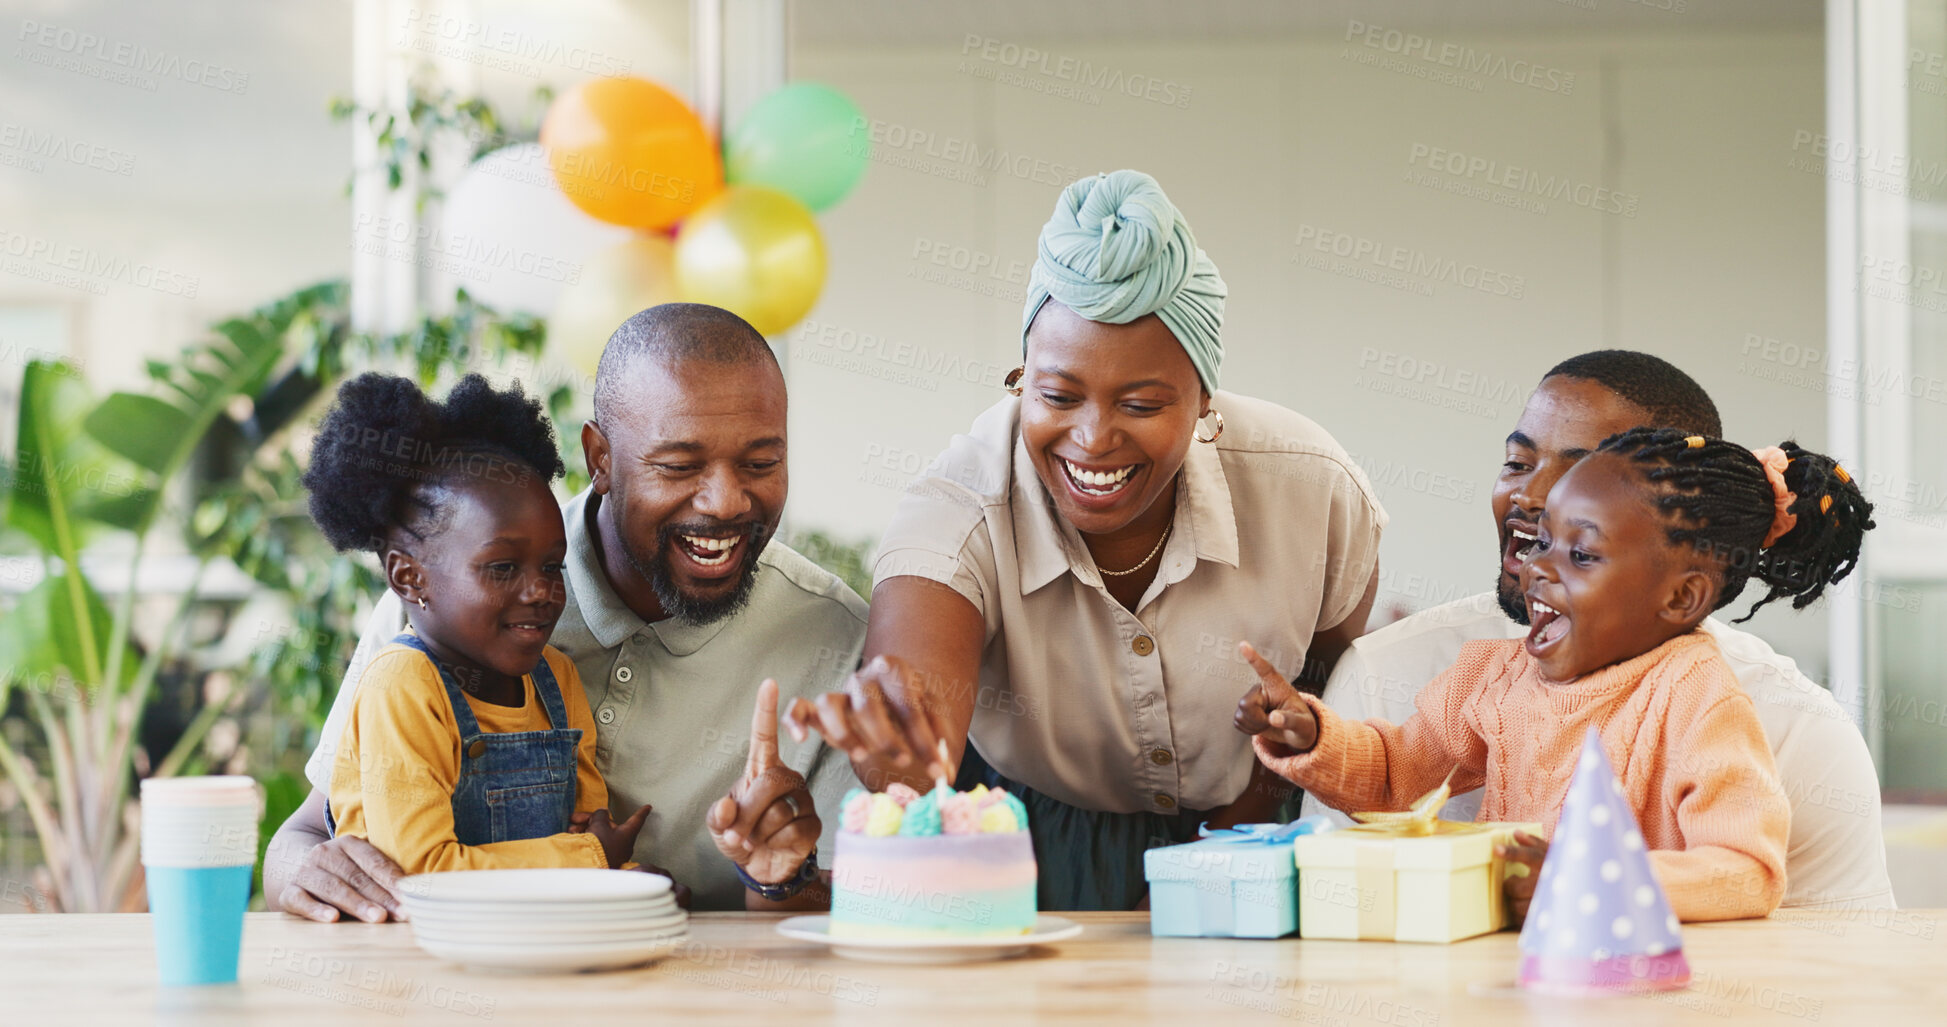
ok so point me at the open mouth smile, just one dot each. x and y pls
(709, 552)
(1106, 482)
(1520, 547)
(1546, 626)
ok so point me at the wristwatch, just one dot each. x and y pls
(807, 873)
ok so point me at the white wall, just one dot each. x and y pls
(216, 181)
(1696, 132)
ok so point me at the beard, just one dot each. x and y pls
(692, 609)
(1508, 593)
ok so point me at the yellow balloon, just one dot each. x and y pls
(755, 252)
(614, 285)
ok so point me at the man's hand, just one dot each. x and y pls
(1272, 709)
(1527, 852)
(767, 824)
(883, 713)
(344, 874)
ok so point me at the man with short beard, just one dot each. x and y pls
(680, 602)
(1836, 857)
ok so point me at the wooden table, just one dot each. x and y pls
(1863, 968)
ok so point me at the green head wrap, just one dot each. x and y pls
(1117, 249)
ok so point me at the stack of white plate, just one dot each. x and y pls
(544, 921)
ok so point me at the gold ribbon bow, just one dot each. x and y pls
(1421, 818)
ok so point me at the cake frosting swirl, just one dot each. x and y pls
(939, 865)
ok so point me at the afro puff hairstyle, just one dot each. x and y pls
(385, 449)
(1718, 490)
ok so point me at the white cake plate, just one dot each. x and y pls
(928, 950)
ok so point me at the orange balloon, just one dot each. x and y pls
(630, 152)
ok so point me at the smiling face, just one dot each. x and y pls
(1605, 584)
(490, 571)
(1106, 413)
(1564, 421)
(692, 475)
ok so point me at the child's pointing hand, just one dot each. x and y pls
(1272, 709)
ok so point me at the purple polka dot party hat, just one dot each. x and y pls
(1599, 922)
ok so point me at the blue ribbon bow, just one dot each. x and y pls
(1265, 834)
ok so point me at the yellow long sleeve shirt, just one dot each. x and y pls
(399, 762)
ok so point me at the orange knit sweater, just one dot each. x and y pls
(1683, 737)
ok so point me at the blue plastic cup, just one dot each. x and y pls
(198, 918)
(199, 845)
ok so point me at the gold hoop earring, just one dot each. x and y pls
(1197, 434)
(1012, 383)
(422, 602)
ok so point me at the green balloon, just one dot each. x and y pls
(807, 140)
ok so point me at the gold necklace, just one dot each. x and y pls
(1152, 555)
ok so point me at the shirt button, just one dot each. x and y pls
(1165, 800)
(1143, 645)
(607, 716)
(623, 674)
(1161, 758)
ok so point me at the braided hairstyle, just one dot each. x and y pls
(1724, 503)
(386, 454)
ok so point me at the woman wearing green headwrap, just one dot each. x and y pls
(1067, 584)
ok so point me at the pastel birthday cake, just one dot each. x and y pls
(941, 865)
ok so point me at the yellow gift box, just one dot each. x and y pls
(1404, 877)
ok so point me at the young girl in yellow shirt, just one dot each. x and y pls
(470, 745)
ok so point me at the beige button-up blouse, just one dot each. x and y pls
(1276, 534)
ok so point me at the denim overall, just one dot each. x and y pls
(516, 784)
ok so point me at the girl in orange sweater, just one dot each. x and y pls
(1639, 542)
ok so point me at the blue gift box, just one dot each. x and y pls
(1236, 882)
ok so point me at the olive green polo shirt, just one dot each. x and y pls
(672, 701)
